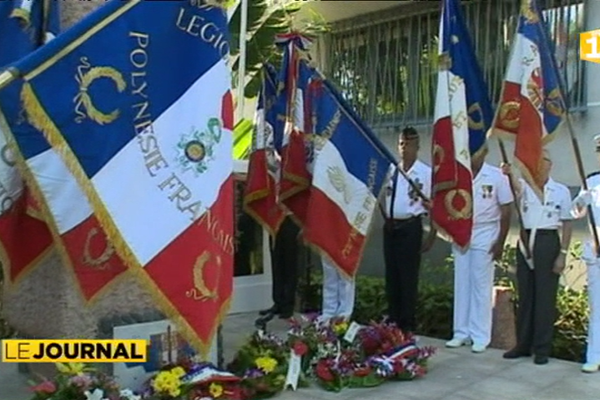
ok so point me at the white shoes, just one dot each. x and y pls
(590, 368)
(457, 342)
(478, 348)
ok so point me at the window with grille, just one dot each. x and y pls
(385, 64)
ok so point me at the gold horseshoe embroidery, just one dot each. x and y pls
(83, 98)
(464, 212)
(200, 291)
(100, 262)
(438, 156)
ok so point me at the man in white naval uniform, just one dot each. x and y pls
(537, 278)
(474, 266)
(590, 255)
(403, 211)
(338, 292)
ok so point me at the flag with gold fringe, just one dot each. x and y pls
(24, 26)
(136, 100)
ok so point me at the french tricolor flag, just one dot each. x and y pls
(295, 77)
(452, 210)
(145, 129)
(532, 107)
(349, 169)
(260, 193)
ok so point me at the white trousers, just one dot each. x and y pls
(593, 277)
(474, 286)
(338, 293)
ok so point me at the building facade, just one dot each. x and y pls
(382, 56)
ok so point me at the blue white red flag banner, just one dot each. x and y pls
(24, 26)
(295, 78)
(145, 128)
(461, 113)
(349, 170)
(532, 107)
(261, 191)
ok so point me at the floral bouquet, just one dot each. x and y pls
(76, 381)
(208, 382)
(392, 354)
(262, 364)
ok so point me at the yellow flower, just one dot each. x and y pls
(168, 382)
(340, 328)
(215, 390)
(178, 371)
(267, 364)
(71, 368)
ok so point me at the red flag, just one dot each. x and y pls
(260, 194)
(25, 241)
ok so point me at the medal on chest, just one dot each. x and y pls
(412, 193)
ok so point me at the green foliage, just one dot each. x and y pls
(266, 20)
(242, 139)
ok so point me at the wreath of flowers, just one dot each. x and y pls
(335, 355)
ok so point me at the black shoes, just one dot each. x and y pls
(540, 360)
(516, 353)
(272, 310)
(276, 311)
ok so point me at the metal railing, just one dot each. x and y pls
(384, 63)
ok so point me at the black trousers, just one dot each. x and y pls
(537, 290)
(284, 259)
(402, 242)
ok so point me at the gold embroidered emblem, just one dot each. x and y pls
(200, 291)
(337, 180)
(528, 12)
(554, 103)
(101, 261)
(509, 114)
(438, 157)
(84, 106)
(475, 114)
(464, 212)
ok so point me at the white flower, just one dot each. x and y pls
(129, 395)
(97, 394)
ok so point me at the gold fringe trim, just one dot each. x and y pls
(6, 263)
(48, 217)
(22, 14)
(38, 118)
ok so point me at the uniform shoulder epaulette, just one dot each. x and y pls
(593, 174)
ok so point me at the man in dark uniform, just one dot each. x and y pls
(403, 243)
(284, 261)
(548, 223)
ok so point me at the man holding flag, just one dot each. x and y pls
(471, 198)
(531, 111)
(161, 140)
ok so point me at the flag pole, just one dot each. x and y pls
(242, 67)
(7, 76)
(522, 235)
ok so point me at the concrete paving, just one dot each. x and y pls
(455, 374)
